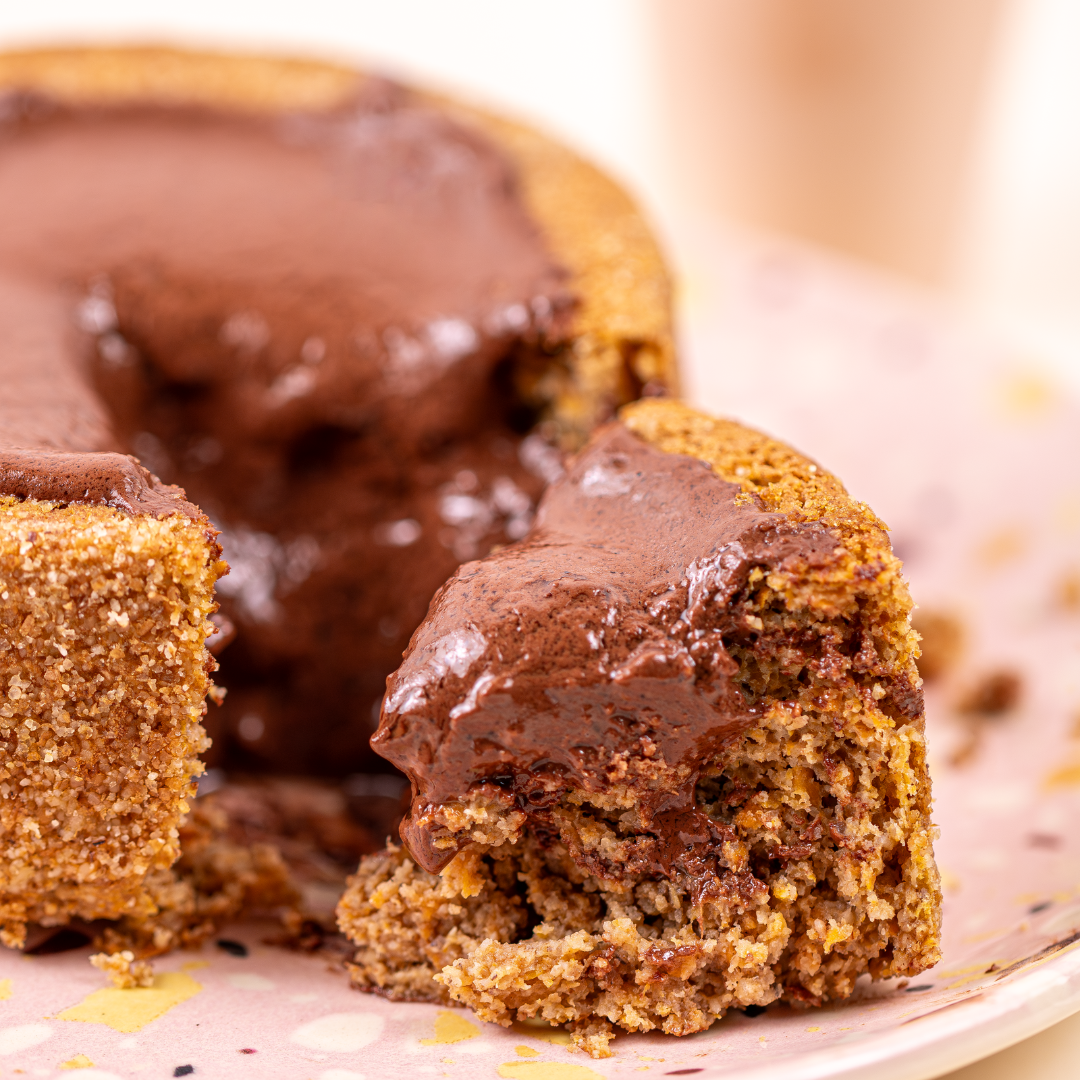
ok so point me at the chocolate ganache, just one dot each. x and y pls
(597, 645)
(312, 324)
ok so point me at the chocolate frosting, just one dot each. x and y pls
(596, 644)
(308, 322)
(330, 268)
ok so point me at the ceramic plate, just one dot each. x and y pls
(970, 454)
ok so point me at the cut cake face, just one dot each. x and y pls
(667, 752)
(104, 615)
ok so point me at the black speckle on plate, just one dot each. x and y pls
(1036, 908)
(247, 1050)
(682, 1072)
(919, 989)
(233, 948)
(183, 1070)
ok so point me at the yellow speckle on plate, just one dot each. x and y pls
(973, 970)
(1066, 776)
(950, 882)
(131, 1010)
(526, 1051)
(194, 965)
(79, 1061)
(813, 1029)
(542, 1030)
(451, 1027)
(1028, 394)
(1001, 547)
(546, 1070)
(5, 989)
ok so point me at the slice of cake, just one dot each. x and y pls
(667, 752)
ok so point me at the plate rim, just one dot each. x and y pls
(930, 1045)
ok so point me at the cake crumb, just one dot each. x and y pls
(942, 642)
(123, 970)
(985, 701)
(995, 693)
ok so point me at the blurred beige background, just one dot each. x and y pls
(936, 140)
(848, 123)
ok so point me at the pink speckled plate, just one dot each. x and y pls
(972, 457)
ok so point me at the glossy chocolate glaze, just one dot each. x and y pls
(309, 323)
(593, 654)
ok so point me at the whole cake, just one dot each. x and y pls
(666, 752)
(336, 327)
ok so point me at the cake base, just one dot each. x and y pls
(518, 930)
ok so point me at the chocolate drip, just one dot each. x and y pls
(593, 647)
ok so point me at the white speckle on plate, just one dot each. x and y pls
(342, 1032)
(22, 1037)
(251, 982)
(1000, 798)
(989, 859)
(1062, 922)
(472, 1047)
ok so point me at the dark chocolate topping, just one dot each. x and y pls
(597, 641)
(312, 324)
(342, 268)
